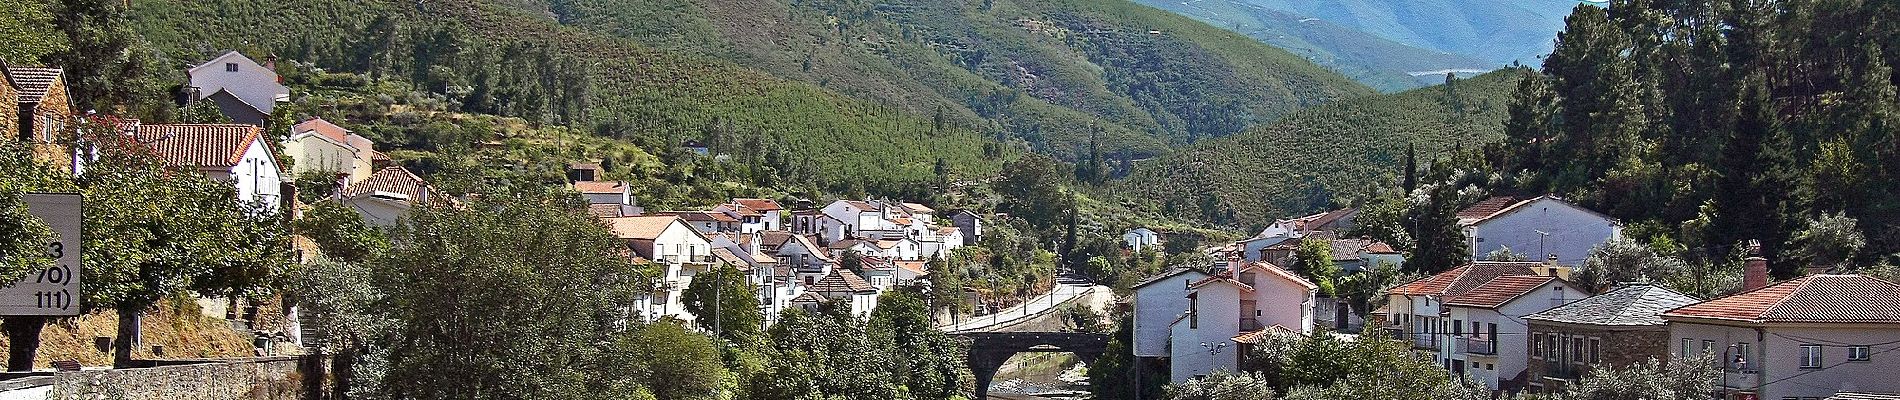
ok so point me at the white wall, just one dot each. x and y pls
(1777, 355)
(1512, 354)
(1156, 306)
(257, 178)
(313, 152)
(252, 82)
(1217, 325)
(1282, 302)
(1568, 232)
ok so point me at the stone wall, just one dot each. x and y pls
(1621, 347)
(263, 378)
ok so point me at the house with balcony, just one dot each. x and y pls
(766, 214)
(678, 250)
(1619, 328)
(1540, 226)
(1415, 310)
(1229, 312)
(1485, 327)
(1806, 338)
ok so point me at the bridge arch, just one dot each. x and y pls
(989, 350)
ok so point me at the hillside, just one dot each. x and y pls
(485, 58)
(1495, 31)
(1375, 61)
(1051, 72)
(1301, 162)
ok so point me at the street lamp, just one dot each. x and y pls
(1213, 348)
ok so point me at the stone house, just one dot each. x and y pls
(1619, 328)
(41, 112)
(1807, 338)
(1538, 227)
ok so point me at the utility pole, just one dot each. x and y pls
(719, 292)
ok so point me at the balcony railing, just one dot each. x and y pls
(1249, 325)
(1424, 340)
(1478, 346)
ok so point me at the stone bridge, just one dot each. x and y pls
(989, 350)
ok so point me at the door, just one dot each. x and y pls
(1249, 313)
(1340, 313)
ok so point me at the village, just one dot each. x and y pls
(1517, 316)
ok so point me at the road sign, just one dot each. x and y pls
(55, 289)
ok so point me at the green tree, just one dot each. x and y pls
(202, 112)
(510, 297)
(824, 356)
(106, 64)
(670, 362)
(1830, 242)
(725, 303)
(1687, 379)
(170, 231)
(340, 233)
(1625, 260)
(1032, 190)
(931, 363)
(27, 29)
(1113, 374)
(1372, 367)
(1222, 385)
(1314, 261)
(1440, 241)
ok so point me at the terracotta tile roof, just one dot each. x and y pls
(1258, 336)
(1316, 221)
(1458, 280)
(647, 228)
(378, 156)
(842, 281)
(744, 211)
(702, 216)
(1499, 290)
(1488, 207)
(1633, 305)
(322, 127)
(34, 82)
(400, 181)
(861, 205)
(809, 297)
(759, 204)
(730, 258)
(199, 145)
(774, 239)
(1348, 249)
(1812, 299)
(600, 187)
(1281, 272)
(915, 267)
(918, 208)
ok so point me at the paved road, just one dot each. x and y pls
(1063, 292)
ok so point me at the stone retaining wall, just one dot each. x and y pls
(265, 378)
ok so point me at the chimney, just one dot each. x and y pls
(1234, 261)
(270, 64)
(1755, 268)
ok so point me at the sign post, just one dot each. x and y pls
(53, 291)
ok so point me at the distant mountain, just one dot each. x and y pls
(1054, 73)
(1303, 162)
(1375, 61)
(1496, 31)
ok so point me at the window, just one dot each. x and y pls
(1194, 317)
(1686, 345)
(1740, 358)
(230, 67)
(1708, 347)
(1576, 350)
(1856, 353)
(1492, 329)
(1810, 356)
(1595, 346)
(1457, 328)
(1477, 330)
(1555, 348)
(1537, 345)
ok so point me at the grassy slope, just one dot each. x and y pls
(1045, 70)
(665, 94)
(1498, 31)
(1369, 59)
(1297, 164)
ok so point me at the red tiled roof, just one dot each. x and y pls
(703, 216)
(400, 181)
(1487, 207)
(842, 280)
(1499, 290)
(322, 127)
(648, 228)
(199, 145)
(592, 187)
(1461, 279)
(1813, 298)
(759, 204)
(33, 82)
(604, 210)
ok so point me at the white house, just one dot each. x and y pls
(773, 214)
(1230, 312)
(1158, 302)
(1140, 238)
(899, 249)
(253, 87)
(1415, 310)
(231, 153)
(1255, 248)
(867, 219)
(1539, 226)
(1810, 337)
(846, 286)
(682, 252)
(388, 196)
(317, 145)
(750, 220)
(1487, 327)
(824, 227)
